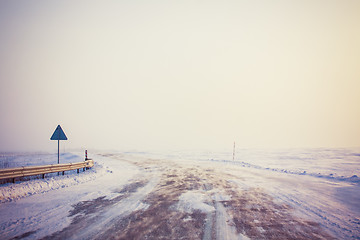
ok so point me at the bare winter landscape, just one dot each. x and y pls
(195, 195)
(162, 93)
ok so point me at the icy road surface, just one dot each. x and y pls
(139, 197)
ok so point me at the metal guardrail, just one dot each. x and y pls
(12, 173)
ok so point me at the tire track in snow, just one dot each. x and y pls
(188, 202)
(92, 219)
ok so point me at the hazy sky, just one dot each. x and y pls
(180, 74)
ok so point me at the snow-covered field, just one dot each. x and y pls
(263, 194)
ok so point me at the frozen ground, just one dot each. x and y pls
(287, 194)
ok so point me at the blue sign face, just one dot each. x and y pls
(58, 134)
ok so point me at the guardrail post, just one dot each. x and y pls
(43, 176)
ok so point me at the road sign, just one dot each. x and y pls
(58, 135)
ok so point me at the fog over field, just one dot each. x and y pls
(165, 75)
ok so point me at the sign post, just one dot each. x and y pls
(58, 135)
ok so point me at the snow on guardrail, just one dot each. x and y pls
(12, 173)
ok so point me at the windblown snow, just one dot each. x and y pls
(263, 194)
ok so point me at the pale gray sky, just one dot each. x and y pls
(180, 74)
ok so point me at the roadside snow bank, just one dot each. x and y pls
(330, 176)
(13, 191)
(44, 213)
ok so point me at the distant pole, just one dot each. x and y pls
(234, 152)
(58, 151)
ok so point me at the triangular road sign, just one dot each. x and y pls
(58, 134)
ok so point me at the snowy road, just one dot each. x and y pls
(143, 198)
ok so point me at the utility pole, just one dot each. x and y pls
(234, 152)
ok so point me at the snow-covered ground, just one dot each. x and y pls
(263, 194)
(12, 192)
(16, 159)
